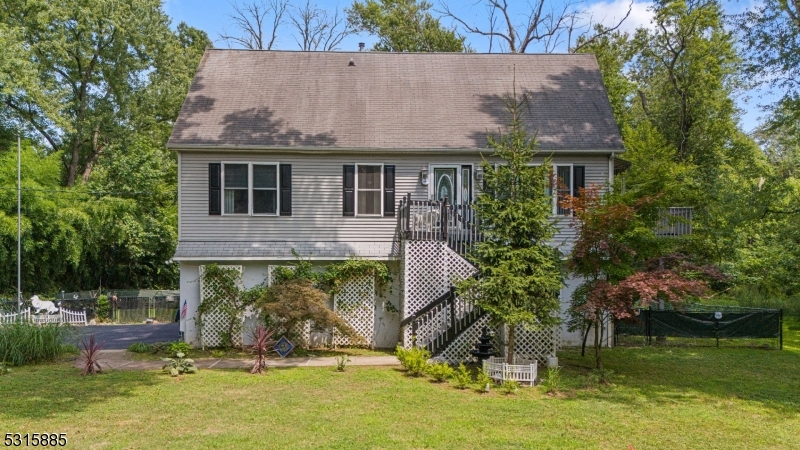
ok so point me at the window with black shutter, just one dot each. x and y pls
(286, 189)
(214, 192)
(579, 180)
(349, 190)
(388, 191)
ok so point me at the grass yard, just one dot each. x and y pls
(669, 398)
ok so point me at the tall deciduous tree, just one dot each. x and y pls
(771, 33)
(520, 271)
(540, 25)
(92, 56)
(404, 26)
(256, 24)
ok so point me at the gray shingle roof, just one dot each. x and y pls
(391, 100)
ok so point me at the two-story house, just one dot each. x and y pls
(339, 155)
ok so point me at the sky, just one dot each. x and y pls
(212, 16)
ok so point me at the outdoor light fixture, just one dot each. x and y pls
(423, 176)
(479, 173)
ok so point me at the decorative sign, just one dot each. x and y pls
(718, 315)
(283, 347)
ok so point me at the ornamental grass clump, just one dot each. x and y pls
(25, 343)
(262, 341)
(552, 382)
(484, 381)
(91, 355)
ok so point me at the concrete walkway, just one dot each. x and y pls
(120, 360)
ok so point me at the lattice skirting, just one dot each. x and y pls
(215, 322)
(459, 350)
(532, 344)
(355, 303)
(428, 270)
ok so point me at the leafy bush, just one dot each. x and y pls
(141, 347)
(341, 362)
(25, 343)
(510, 386)
(414, 360)
(91, 353)
(103, 312)
(440, 371)
(179, 365)
(179, 347)
(484, 381)
(552, 382)
(462, 377)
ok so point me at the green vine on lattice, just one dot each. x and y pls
(336, 275)
(229, 299)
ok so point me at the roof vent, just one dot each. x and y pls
(361, 46)
(352, 63)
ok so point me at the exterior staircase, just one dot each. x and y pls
(436, 237)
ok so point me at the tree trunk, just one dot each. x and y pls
(597, 347)
(585, 337)
(72, 169)
(510, 353)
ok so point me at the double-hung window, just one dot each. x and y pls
(250, 188)
(265, 189)
(236, 181)
(369, 189)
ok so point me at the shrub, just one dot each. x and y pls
(141, 347)
(24, 343)
(179, 347)
(179, 365)
(484, 381)
(413, 360)
(341, 362)
(552, 382)
(103, 312)
(440, 371)
(218, 353)
(510, 386)
(462, 377)
(91, 354)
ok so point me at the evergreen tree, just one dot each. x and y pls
(520, 271)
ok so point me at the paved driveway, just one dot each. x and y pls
(117, 337)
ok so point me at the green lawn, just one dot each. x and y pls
(695, 398)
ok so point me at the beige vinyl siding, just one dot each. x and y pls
(317, 197)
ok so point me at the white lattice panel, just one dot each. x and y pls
(459, 350)
(536, 344)
(428, 270)
(355, 303)
(457, 266)
(215, 322)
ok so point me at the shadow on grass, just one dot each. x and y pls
(669, 374)
(51, 389)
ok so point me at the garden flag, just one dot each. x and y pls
(183, 310)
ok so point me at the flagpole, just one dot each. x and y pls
(19, 224)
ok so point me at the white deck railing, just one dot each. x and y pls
(675, 221)
(63, 316)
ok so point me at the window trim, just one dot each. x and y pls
(250, 165)
(356, 189)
